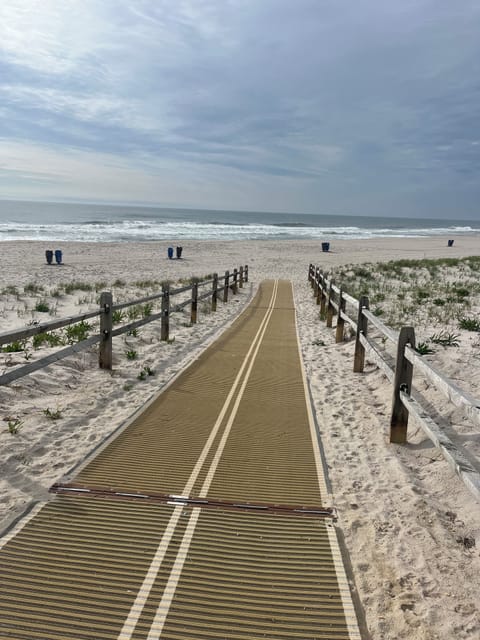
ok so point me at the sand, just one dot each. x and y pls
(403, 514)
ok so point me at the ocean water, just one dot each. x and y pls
(106, 223)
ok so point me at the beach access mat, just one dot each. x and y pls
(206, 517)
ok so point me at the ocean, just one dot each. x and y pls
(108, 223)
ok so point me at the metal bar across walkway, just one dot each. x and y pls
(207, 517)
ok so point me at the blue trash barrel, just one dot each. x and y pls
(325, 246)
(58, 256)
(170, 252)
(49, 256)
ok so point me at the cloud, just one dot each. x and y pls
(349, 103)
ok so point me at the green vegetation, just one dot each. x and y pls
(14, 347)
(145, 372)
(50, 339)
(131, 354)
(42, 306)
(77, 332)
(14, 425)
(52, 414)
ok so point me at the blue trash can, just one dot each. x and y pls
(325, 246)
(450, 243)
(49, 256)
(170, 252)
(58, 256)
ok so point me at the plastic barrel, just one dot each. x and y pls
(179, 252)
(325, 246)
(49, 256)
(170, 252)
(58, 256)
(450, 243)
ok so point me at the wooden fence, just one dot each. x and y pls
(334, 302)
(219, 286)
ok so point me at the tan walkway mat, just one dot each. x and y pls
(120, 554)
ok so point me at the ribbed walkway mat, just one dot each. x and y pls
(118, 556)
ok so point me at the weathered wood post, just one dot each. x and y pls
(319, 287)
(194, 308)
(330, 308)
(323, 297)
(316, 276)
(235, 280)
(340, 321)
(240, 281)
(246, 273)
(106, 324)
(402, 382)
(214, 291)
(310, 274)
(165, 320)
(225, 288)
(362, 329)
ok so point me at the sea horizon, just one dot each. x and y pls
(81, 222)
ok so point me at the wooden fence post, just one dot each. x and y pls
(214, 291)
(165, 321)
(402, 382)
(240, 282)
(106, 324)
(310, 268)
(225, 288)
(194, 308)
(362, 329)
(319, 287)
(246, 273)
(235, 280)
(323, 297)
(340, 321)
(330, 305)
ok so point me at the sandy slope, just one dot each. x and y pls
(401, 510)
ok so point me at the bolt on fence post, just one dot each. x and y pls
(330, 308)
(225, 288)
(193, 312)
(214, 291)
(165, 321)
(402, 382)
(240, 281)
(106, 325)
(340, 321)
(362, 329)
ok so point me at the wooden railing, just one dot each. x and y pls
(230, 281)
(334, 302)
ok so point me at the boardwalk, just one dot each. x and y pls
(206, 517)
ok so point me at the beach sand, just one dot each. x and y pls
(403, 514)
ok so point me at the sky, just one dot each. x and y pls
(359, 107)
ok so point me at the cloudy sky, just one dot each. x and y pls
(365, 107)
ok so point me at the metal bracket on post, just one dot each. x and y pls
(402, 382)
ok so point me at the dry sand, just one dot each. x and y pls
(402, 512)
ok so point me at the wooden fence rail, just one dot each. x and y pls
(406, 401)
(105, 313)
